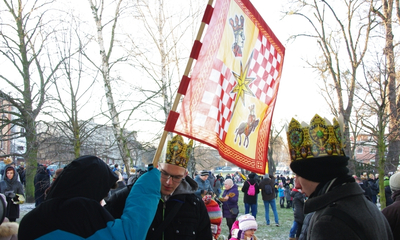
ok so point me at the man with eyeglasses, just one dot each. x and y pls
(180, 213)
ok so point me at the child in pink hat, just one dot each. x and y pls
(244, 228)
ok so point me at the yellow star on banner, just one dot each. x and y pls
(243, 82)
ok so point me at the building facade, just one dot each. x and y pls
(12, 140)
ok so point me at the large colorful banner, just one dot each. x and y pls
(230, 99)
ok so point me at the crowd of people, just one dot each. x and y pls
(169, 204)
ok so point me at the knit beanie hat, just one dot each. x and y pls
(394, 182)
(204, 173)
(214, 212)
(252, 175)
(247, 222)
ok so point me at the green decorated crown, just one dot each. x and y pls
(178, 153)
(319, 139)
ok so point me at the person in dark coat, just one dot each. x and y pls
(392, 212)
(388, 191)
(217, 186)
(370, 187)
(8, 230)
(256, 177)
(10, 187)
(41, 182)
(21, 173)
(298, 204)
(211, 179)
(190, 219)
(250, 202)
(72, 209)
(230, 198)
(269, 199)
(55, 176)
(340, 209)
(120, 185)
(374, 185)
(287, 190)
(276, 186)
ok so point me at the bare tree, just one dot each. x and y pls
(276, 150)
(98, 11)
(206, 157)
(26, 39)
(73, 90)
(343, 41)
(162, 52)
(374, 94)
(385, 12)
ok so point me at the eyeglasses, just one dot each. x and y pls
(175, 178)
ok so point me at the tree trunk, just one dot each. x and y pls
(30, 160)
(105, 70)
(394, 141)
(31, 168)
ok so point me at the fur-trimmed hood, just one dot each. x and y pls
(8, 229)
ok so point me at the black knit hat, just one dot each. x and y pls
(321, 169)
(252, 175)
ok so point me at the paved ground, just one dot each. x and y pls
(24, 209)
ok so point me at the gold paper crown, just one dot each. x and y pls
(317, 140)
(8, 160)
(178, 153)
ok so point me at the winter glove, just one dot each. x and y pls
(9, 194)
(18, 199)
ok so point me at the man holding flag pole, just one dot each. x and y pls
(228, 104)
(180, 213)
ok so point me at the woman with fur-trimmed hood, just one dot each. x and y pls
(8, 230)
(72, 208)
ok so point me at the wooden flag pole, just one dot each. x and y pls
(178, 95)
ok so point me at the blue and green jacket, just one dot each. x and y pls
(72, 209)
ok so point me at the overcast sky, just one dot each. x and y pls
(298, 93)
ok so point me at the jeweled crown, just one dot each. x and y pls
(178, 153)
(8, 160)
(319, 139)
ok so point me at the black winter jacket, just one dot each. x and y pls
(298, 204)
(392, 214)
(190, 222)
(345, 195)
(41, 182)
(247, 198)
(271, 182)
